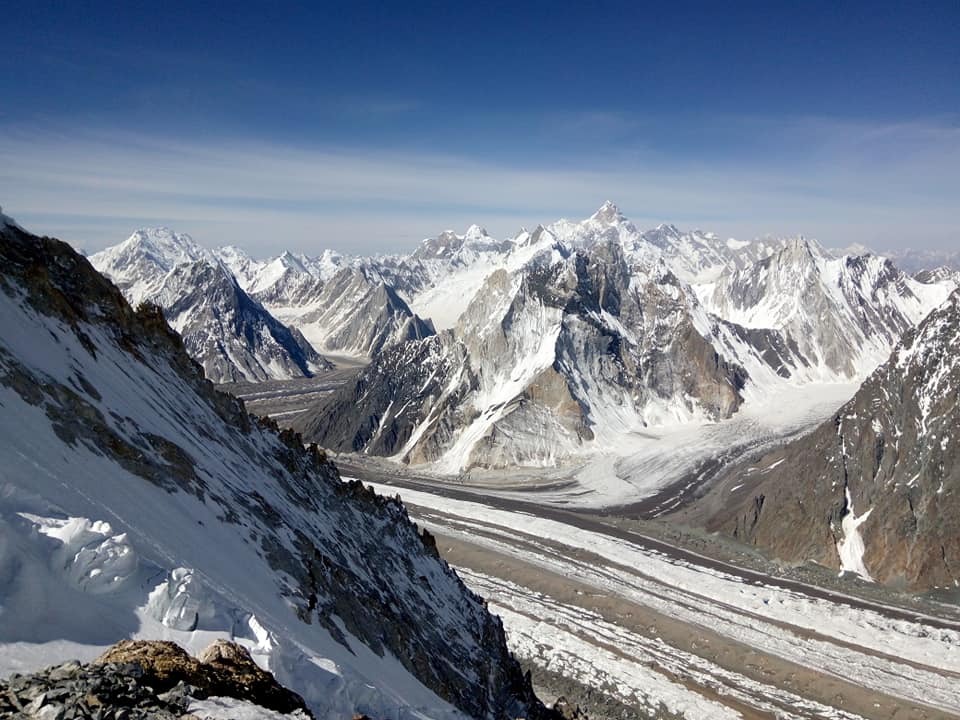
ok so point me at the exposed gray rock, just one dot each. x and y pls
(318, 552)
(892, 452)
(140, 681)
(231, 335)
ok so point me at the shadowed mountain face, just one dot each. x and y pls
(231, 335)
(137, 500)
(227, 332)
(875, 490)
(540, 362)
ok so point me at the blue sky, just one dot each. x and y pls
(367, 126)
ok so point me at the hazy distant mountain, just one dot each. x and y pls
(232, 336)
(913, 261)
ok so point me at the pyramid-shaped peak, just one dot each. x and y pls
(475, 231)
(669, 229)
(608, 213)
(801, 247)
(288, 260)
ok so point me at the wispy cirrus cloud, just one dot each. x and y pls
(841, 181)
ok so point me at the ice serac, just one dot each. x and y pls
(875, 490)
(573, 347)
(136, 501)
(231, 335)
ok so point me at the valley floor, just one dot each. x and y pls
(637, 617)
(661, 629)
(282, 400)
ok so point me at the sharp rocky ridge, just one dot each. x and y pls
(565, 338)
(551, 343)
(137, 501)
(229, 333)
(875, 490)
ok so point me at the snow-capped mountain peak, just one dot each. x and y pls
(231, 254)
(802, 248)
(475, 232)
(609, 214)
(139, 263)
(288, 259)
(169, 248)
(670, 230)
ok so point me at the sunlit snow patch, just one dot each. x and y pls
(851, 547)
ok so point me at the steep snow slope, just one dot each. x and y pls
(135, 501)
(571, 348)
(139, 264)
(227, 332)
(876, 489)
(844, 314)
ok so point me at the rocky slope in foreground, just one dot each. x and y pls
(152, 680)
(136, 501)
(875, 490)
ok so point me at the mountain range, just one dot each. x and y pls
(137, 501)
(875, 489)
(578, 334)
(536, 349)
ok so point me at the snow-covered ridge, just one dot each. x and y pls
(245, 536)
(231, 335)
(874, 490)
